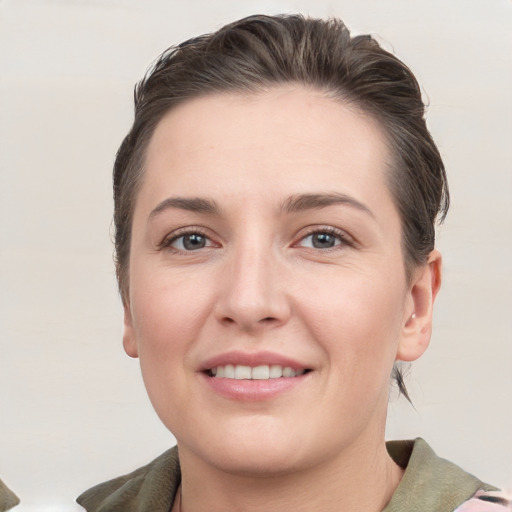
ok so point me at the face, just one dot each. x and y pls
(267, 292)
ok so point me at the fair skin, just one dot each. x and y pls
(264, 235)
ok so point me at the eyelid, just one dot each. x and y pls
(343, 236)
(170, 238)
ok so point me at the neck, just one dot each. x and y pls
(363, 477)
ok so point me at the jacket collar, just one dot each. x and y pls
(429, 483)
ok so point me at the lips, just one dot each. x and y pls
(259, 366)
(261, 372)
(257, 376)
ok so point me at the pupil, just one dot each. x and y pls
(192, 242)
(323, 240)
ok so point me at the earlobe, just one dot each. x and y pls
(417, 323)
(129, 341)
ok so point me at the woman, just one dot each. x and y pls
(275, 209)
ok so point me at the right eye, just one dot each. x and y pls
(186, 241)
(189, 242)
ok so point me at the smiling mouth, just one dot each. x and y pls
(261, 372)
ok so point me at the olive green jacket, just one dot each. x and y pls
(7, 498)
(429, 484)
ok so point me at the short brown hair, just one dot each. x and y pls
(259, 52)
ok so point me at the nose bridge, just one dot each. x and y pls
(253, 293)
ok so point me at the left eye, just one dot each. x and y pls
(321, 240)
(190, 242)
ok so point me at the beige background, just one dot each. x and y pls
(73, 410)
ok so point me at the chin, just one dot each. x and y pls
(259, 448)
(257, 461)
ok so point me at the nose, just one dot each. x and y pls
(253, 294)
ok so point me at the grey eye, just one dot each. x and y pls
(321, 240)
(190, 242)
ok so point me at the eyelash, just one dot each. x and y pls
(340, 235)
(167, 242)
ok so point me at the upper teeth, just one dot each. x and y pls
(262, 372)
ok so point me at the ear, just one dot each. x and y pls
(417, 322)
(129, 341)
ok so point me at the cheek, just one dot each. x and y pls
(357, 322)
(167, 323)
(168, 313)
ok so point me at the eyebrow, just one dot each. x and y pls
(191, 204)
(301, 202)
(293, 204)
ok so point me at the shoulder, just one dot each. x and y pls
(7, 498)
(431, 482)
(149, 488)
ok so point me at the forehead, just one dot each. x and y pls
(284, 138)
